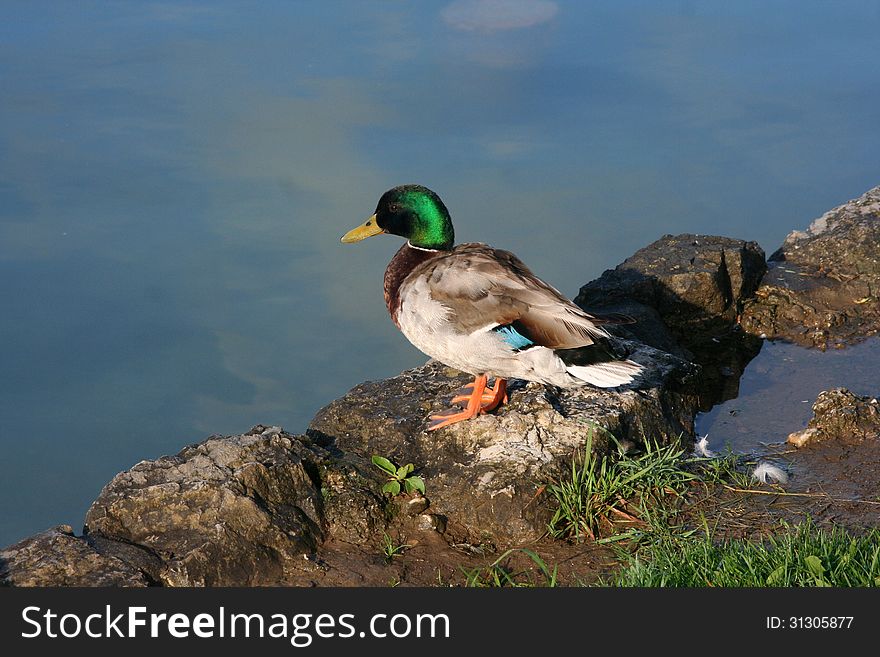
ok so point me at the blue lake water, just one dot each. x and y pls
(175, 176)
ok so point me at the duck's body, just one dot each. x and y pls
(482, 311)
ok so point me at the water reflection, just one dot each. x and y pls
(174, 178)
(777, 392)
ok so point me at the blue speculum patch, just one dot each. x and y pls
(513, 337)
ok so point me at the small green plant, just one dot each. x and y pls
(399, 478)
(390, 550)
(498, 575)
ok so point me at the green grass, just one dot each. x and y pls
(726, 469)
(800, 556)
(497, 574)
(601, 489)
(390, 549)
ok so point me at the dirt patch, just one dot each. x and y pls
(434, 562)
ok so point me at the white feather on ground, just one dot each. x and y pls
(701, 448)
(769, 473)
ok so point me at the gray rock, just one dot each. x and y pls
(686, 293)
(837, 459)
(431, 522)
(245, 510)
(484, 474)
(685, 278)
(230, 511)
(842, 416)
(414, 505)
(56, 557)
(823, 285)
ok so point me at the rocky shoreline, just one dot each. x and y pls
(271, 508)
(822, 288)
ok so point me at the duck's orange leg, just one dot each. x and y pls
(499, 396)
(493, 397)
(479, 401)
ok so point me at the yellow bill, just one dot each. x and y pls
(362, 232)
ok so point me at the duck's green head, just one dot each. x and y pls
(413, 212)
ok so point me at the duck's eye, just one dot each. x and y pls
(393, 208)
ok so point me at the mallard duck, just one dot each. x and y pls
(482, 311)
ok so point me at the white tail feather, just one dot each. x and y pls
(606, 375)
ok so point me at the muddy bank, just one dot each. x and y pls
(834, 462)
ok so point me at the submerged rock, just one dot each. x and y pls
(822, 285)
(842, 416)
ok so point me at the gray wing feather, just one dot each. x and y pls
(483, 287)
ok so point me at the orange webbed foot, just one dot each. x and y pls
(451, 416)
(480, 400)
